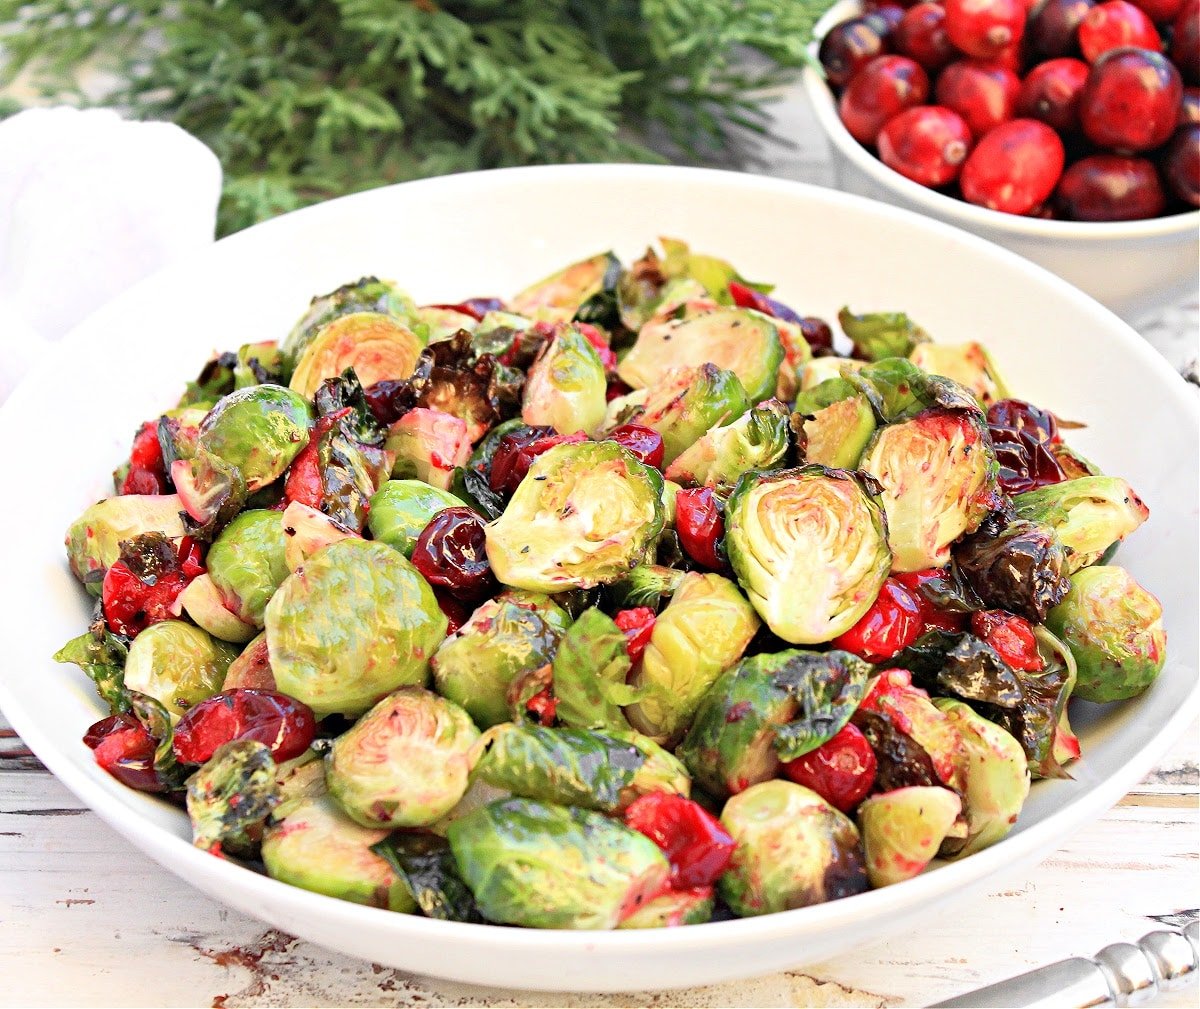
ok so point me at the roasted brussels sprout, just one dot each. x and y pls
(434, 323)
(810, 548)
(836, 435)
(424, 863)
(94, 539)
(260, 364)
(648, 585)
(368, 294)
(204, 603)
(758, 440)
(405, 763)
(230, 798)
(376, 346)
(675, 907)
(428, 445)
(793, 850)
(903, 829)
(354, 624)
(939, 477)
(821, 369)
(1114, 629)
(968, 364)
(248, 562)
(1091, 514)
(702, 632)
(545, 866)
(589, 674)
(1022, 569)
(559, 297)
(565, 386)
(400, 509)
(177, 664)
(252, 668)
(898, 390)
(585, 514)
(877, 335)
(259, 430)
(307, 530)
(684, 403)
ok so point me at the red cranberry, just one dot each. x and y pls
(891, 624)
(1114, 24)
(1161, 12)
(637, 625)
(281, 723)
(921, 36)
(1054, 27)
(1185, 41)
(453, 610)
(695, 843)
(932, 616)
(476, 308)
(1189, 107)
(1110, 187)
(817, 333)
(1051, 93)
(134, 597)
(451, 552)
(643, 442)
(147, 471)
(984, 28)
(700, 526)
(543, 706)
(1014, 168)
(1012, 636)
(1181, 164)
(848, 47)
(927, 144)
(841, 771)
(1131, 100)
(1021, 434)
(984, 94)
(517, 450)
(883, 88)
(123, 747)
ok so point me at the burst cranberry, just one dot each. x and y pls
(451, 552)
(927, 144)
(1051, 92)
(817, 333)
(700, 526)
(984, 28)
(848, 47)
(455, 612)
(1014, 168)
(1110, 187)
(891, 624)
(123, 747)
(517, 450)
(1185, 41)
(147, 472)
(389, 399)
(841, 771)
(304, 484)
(984, 94)
(921, 36)
(1012, 637)
(1114, 24)
(883, 88)
(1054, 27)
(132, 599)
(1181, 164)
(637, 625)
(1022, 435)
(1189, 107)
(191, 558)
(279, 722)
(1161, 12)
(1131, 100)
(543, 706)
(695, 843)
(643, 442)
(933, 617)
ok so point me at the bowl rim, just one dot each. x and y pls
(962, 213)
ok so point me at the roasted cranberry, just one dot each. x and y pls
(848, 47)
(543, 706)
(695, 843)
(517, 450)
(1054, 27)
(817, 333)
(1110, 187)
(147, 472)
(1012, 637)
(1181, 164)
(921, 36)
(1014, 168)
(927, 144)
(1114, 24)
(700, 525)
(746, 297)
(1160, 11)
(984, 28)
(281, 723)
(841, 771)
(389, 399)
(304, 484)
(1189, 107)
(1185, 41)
(451, 552)
(1051, 92)
(1131, 100)
(455, 612)
(891, 624)
(1022, 435)
(933, 617)
(123, 747)
(984, 94)
(643, 442)
(637, 625)
(191, 557)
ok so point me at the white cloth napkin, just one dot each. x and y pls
(89, 204)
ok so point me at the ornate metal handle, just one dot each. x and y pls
(1123, 974)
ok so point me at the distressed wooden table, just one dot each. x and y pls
(85, 920)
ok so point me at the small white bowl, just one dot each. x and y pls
(1131, 267)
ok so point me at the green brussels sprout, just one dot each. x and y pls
(565, 386)
(354, 624)
(248, 562)
(877, 335)
(643, 296)
(968, 364)
(736, 339)
(1113, 628)
(821, 369)
(368, 294)
(836, 435)
(898, 390)
(177, 664)
(540, 865)
(810, 548)
(401, 509)
(258, 430)
(230, 798)
(203, 602)
(505, 638)
(252, 668)
(101, 655)
(759, 440)
(428, 445)
(94, 539)
(996, 773)
(585, 514)
(260, 364)
(903, 829)
(1091, 514)
(435, 323)
(712, 274)
(793, 850)
(307, 530)
(405, 763)
(702, 632)
(939, 476)
(558, 297)
(673, 908)
(685, 403)
(796, 355)
(376, 346)
(317, 847)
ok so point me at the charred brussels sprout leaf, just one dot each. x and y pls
(1090, 514)
(647, 585)
(903, 829)
(829, 687)
(378, 347)
(216, 379)
(545, 866)
(960, 665)
(260, 364)
(565, 386)
(684, 403)
(100, 654)
(450, 377)
(350, 473)
(589, 674)
(425, 864)
(368, 294)
(230, 798)
(94, 539)
(877, 335)
(177, 664)
(345, 393)
(159, 723)
(211, 490)
(758, 440)
(901, 760)
(247, 562)
(1022, 569)
(258, 430)
(968, 364)
(898, 390)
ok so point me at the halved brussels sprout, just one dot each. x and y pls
(877, 335)
(356, 622)
(93, 540)
(376, 346)
(565, 386)
(401, 509)
(939, 477)
(252, 668)
(836, 435)
(177, 664)
(545, 866)
(903, 829)
(505, 638)
(306, 530)
(211, 490)
(258, 430)
(230, 798)
(702, 632)
(203, 602)
(558, 297)
(1114, 629)
(898, 391)
(796, 356)
(585, 514)
(439, 322)
(428, 445)
(259, 364)
(645, 296)
(793, 850)
(737, 339)
(686, 402)
(405, 763)
(759, 440)
(968, 364)
(248, 562)
(673, 908)
(821, 369)
(809, 546)
(1090, 514)
(368, 294)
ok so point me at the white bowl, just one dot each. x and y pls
(72, 420)
(1133, 267)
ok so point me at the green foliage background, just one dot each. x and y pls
(306, 99)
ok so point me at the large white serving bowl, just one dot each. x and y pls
(444, 239)
(1133, 267)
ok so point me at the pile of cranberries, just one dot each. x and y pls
(1070, 109)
